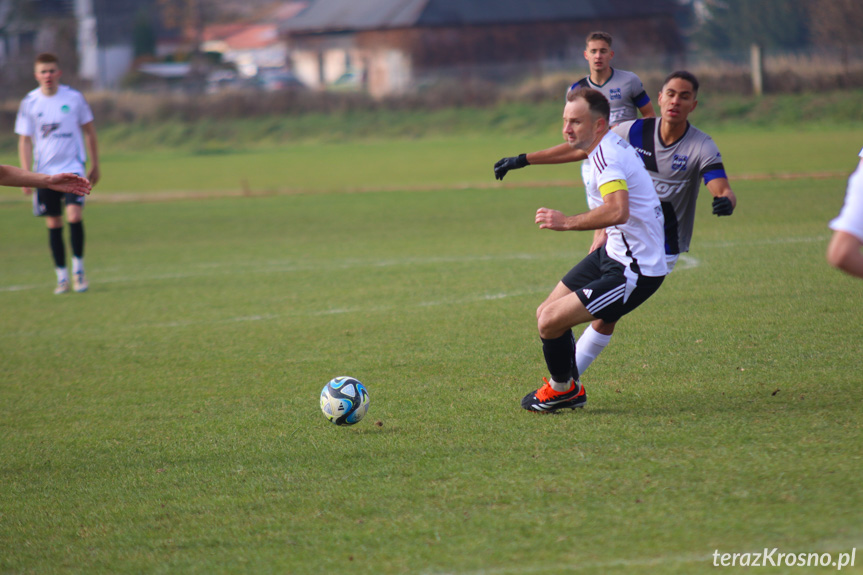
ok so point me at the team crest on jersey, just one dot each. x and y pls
(614, 94)
(48, 129)
(679, 162)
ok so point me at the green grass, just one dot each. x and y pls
(167, 421)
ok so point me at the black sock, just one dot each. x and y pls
(560, 357)
(58, 248)
(76, 238)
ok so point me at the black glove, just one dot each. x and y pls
(722, 206)
(507, 164)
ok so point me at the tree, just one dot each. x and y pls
(144, 34)
(836, 21)
(736, 24)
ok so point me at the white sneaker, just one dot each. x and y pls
(62, 287)
(79, 282)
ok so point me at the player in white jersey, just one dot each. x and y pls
(844, 250)
(624, 90)
(622, 272)
(55, 128)
(678, 157)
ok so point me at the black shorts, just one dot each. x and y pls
(48, 202)
(608, 289)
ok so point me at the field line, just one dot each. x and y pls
(157, 196)
(580, 566)
(215, 269)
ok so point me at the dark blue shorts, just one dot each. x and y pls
(608, 289)
(50, 202)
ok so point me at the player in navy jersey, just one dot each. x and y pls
(844, 250)
(55, 135)
(621, 273)
(624, 90)
(678, 157)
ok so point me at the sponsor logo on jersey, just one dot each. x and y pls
(64, 108)
(679, 162)
(644, 153)
(614, 94)
(666, 188)
(48, 129)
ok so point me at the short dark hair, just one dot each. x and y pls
(599, 35)
(683, 75)
(47, 58)
(596, 101)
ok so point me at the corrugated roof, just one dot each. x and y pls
(350, 15)
(335, 15)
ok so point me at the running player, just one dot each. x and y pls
(618, 276)
(624, 89)
(678, 157)
(844, 250)
(50, 124)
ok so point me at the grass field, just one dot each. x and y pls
(167, 421)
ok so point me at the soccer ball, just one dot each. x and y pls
(344, 400)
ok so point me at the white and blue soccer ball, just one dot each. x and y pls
(344, 400)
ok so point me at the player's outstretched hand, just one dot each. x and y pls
(506, 164)
(722, 206)
(69, 183)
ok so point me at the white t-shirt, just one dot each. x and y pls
(638, 244)
(54, 123)
(851, 217)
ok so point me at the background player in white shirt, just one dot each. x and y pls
(54, 124)
(622, 272)
(844, 250)
(678, 157)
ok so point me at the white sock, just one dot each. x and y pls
(558, 386)
(77, 265)
(589, 346)
(62, 274)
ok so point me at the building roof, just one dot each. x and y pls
(351, 15)
(254, 36)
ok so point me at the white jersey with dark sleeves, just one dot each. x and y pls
(637, 243)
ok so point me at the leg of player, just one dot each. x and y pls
(555, 318)
(58, 252)
(76, 239)
(591, 343)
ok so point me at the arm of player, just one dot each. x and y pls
(560, 154)
(844, 253)
(94, 173)
(599, 238)
(68, 183)
(647, 111)
(25, 158)
(724, 200)
(613, 211)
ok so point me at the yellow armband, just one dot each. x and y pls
(613, 186)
